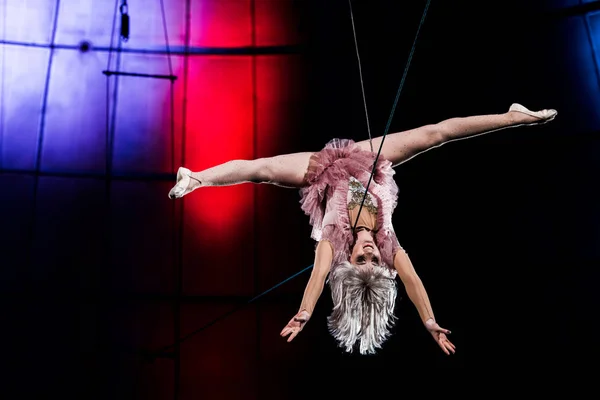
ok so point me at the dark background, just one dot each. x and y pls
(503, 229)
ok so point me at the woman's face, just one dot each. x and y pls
(365, 252)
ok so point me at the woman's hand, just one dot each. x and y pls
(295, 325)
(439, 334)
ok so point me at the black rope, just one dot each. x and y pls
(112, 34)
(162, 350)
(166, 33)
(42, 127)
(362, 85)
(40, 139)
(110, 122)
(387, 127)
(172, 85)
(177, 241)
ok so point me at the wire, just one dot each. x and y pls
(361, 76)
(389, 122)
(214, 321)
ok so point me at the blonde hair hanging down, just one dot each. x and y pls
(363, 306)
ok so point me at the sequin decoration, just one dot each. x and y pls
(356, 192)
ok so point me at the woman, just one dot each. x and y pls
(360, 253)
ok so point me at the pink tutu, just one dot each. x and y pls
(327, 180)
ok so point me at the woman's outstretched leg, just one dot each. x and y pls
(402, 146)
(286, 170)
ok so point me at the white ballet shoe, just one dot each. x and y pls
(544, 116)
(183, 185)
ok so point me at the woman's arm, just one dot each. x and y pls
(314, 288)
(418, 295)
(413, 285)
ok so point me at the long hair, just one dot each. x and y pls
(363, 306)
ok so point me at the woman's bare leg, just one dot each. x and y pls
(402, 146)
(286, 170)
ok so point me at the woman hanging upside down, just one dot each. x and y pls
(362, 263)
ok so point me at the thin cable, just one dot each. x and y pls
(361, 76)
(164, 19)
(176, 240)
(113, 121)
(108, 110)
(112, 35)
(214, 321)
(42, 126)
(40, 139)
(172, 87)
(389, 122)
(109, 134)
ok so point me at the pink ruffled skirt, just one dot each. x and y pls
(330, 169)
